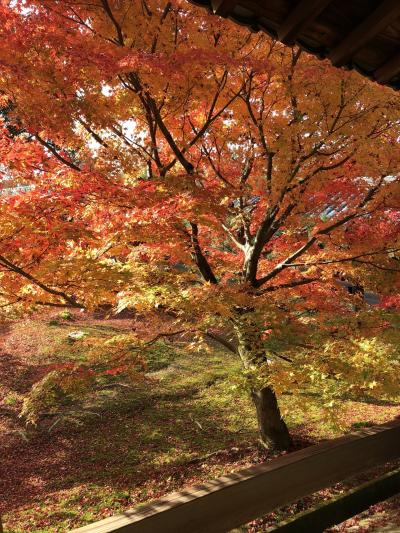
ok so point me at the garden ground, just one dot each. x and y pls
(189, 421)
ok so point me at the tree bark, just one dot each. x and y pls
(273, 429)
(274, 432)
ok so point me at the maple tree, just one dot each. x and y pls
(174, 159)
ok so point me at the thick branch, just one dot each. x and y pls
(223, 341)
(95, 135)
(289, 285)
(166, 334)
(168, 137)
(57, 154)
(118, 29)
(345, 259)
(251, 263)
(18, 270)
(324, 231)
(266, 231)
(200, 133)
(379, 267)
(199, 258)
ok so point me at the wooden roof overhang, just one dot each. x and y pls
(359, 34)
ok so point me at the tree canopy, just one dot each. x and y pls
(173, 159)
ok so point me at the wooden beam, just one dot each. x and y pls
(298, 18)
(378, 20)
(230, 501)
(388, 70)
(223, 7)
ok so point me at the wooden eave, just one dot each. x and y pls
(359, 34)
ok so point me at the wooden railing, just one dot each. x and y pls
(343, 507)
(230, 501)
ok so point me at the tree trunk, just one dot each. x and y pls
(273, 429)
